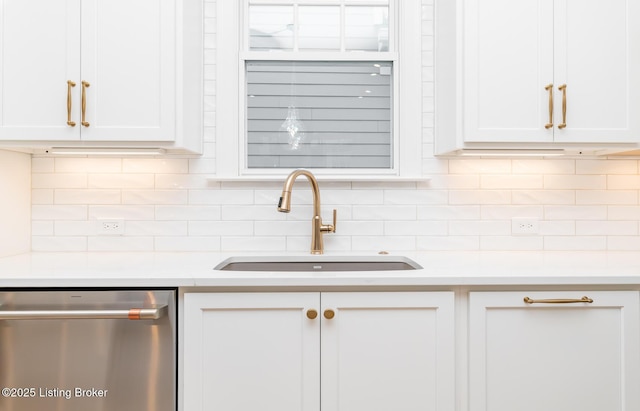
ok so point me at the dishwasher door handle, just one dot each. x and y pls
(130, 314)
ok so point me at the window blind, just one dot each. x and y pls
(319, 114)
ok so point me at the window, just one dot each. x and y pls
(317, 85)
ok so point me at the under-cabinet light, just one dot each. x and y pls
(105, 151)
(511, 153)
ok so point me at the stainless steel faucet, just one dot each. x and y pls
(317, 228)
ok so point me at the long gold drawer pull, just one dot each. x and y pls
(549, 88)
(558, 300)
(69, 85)
(563, 88)
(85, 84)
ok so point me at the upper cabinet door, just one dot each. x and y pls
(508, 62)
(39, 54)
(597, 58)
(129, 62)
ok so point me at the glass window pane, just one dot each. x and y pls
(271, 27)
(319, 28)
(319, 114)
(367, 28)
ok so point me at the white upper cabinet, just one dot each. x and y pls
(40, 52)
(98, 71)
(546, 73)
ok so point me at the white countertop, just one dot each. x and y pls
(439, 269)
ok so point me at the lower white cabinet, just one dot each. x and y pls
(310, 351)
(553, 354)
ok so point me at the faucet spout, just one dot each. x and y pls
(317, 228)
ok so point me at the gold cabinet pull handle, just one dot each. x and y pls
(85, 84)
(559, 300)
(69, 98)
(312, 314)
(549, 88)
(563, 88)
(329, 314)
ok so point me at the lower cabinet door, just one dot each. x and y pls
(250, 352)
(349, 351)
(385, 351)
(550, 353)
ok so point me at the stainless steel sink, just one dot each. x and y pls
(318, 263)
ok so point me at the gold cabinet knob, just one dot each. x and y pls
(329, 314)
(312, 314)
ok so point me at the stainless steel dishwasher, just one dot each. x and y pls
(88, 349)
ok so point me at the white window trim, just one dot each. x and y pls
(230, 120)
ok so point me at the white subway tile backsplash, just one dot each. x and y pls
(557, 227)
(623, 243)
(284, 228)
(187, 213)
(169, 204)
(511, 243)
(383, 243)
(42, 165)
(57, 243)
(613, 197)
(220, 228)
(579, 212)
(155, 196)
(449, 212)
(187, 244)
(621, 212)
(502, 212)
(479, 228)
(448, 243)
(623, 182)
(157, 228)
(250, 243)
(90, 196)
(543, 166)
(575, 243)
(87, 165)
(577, 182)
(155, 165)
(586, 228)
(543, 196)
(139, 181)
(58, 180)
(182, 181)
(213, 197)
(607, 167)
(511, 181)
(418, 197)
(479, 166)
(480, 197)
(415, 228)
(126, 212)
(59, 212)
(42, 196)
(402, 212)
(42, 228)
(120, 244)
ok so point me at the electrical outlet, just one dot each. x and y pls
(524, 226)
(110, 227)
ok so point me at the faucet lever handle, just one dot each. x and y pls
(335, 217)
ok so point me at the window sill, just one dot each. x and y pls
(321, 177)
